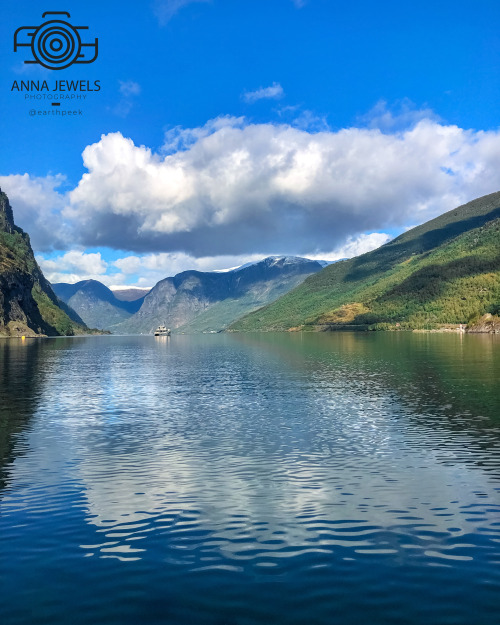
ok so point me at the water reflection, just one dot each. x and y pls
(266, 455)
(21, 378)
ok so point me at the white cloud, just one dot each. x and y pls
(140, 271)
(304, 119)
(179, 138)
(73, 266)
(401, 116)
(129, 88)
(128, 91)
(152, 268)
(166, 9)
(309, 121)
(274, 92)
(146, 270)
(37, 205)
(354, 246)
(228, 192)
(236, 188)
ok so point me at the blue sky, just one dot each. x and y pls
(228, 130)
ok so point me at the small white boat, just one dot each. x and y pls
(162, 331)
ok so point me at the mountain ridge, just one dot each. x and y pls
(346, 293)
(183, 301)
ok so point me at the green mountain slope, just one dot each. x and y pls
(28, 306)
(223, 313)
(443, 271)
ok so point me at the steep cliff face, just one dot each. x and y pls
(28, 306)
(6, 215)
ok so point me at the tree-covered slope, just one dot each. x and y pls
(443, 271)
(222, 314)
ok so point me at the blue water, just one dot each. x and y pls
(250, 479)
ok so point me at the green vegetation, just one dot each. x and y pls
(53, 315)
(443, 272)
(15, 252)
(223, 313)
(27, 302)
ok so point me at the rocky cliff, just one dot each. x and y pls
(28, 305)
(487, 324)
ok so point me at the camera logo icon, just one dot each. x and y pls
(55, 44)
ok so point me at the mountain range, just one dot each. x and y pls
(191, 301)
(445, 271)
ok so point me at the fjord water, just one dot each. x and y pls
(250, 479)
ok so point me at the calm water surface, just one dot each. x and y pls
(243, 480)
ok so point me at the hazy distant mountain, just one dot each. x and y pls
(97, 305)
(129, 294)
(28, 305)
(195, 301)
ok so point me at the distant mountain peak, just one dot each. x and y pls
(130, 293)
(280, 261)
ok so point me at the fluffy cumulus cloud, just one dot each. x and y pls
(274, 92)
(237, 188)
(73, 266)
(37, 204)
(230, 191)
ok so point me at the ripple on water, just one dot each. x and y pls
(228, 481)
